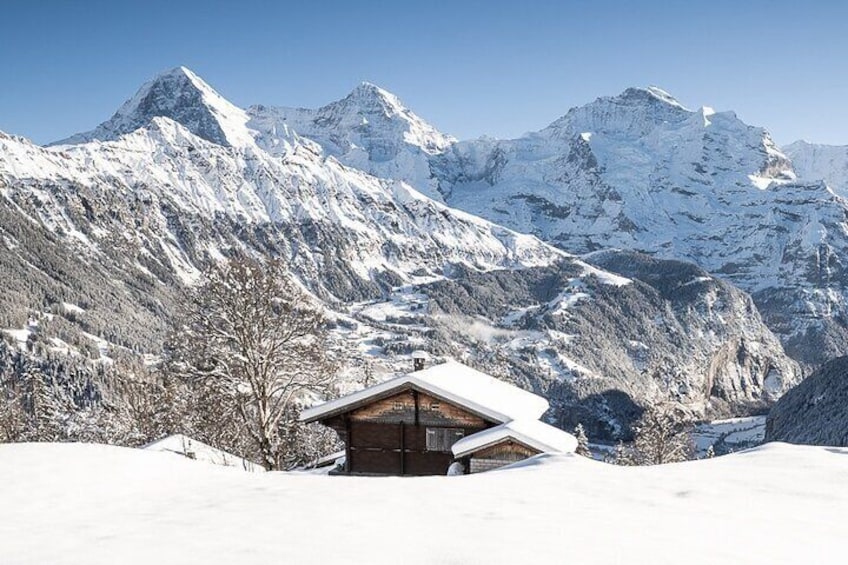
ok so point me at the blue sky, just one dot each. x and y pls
(469, 67)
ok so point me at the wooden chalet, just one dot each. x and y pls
(422, 422)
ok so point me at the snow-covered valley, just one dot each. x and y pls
(75, 503)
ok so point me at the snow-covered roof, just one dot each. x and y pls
(533, 433)
(453, 382)
(194, 449)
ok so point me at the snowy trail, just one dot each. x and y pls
(76, 503)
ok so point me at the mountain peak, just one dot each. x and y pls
(366, 87)
(184, 76)
(368, 97)
(663, 95)
(372, 115)
(176, 72)
(180, 95)
(650, 94)
(634, 112)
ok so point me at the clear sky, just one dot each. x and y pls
(499, 68)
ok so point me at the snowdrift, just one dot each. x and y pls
(93, 504)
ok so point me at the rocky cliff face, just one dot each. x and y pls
(816, 411)
(609, 347)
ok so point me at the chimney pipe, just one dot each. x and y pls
(419, 359)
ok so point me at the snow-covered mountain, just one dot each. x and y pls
(178, 145)
(600, 348)
(636, 170)
(641, 171)
(185, 98)
(369, 129)
(115, 221)
(821, 162)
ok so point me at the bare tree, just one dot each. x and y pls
(133, 411)
(255, 343)
(662, 435)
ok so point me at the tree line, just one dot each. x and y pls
(246, 351)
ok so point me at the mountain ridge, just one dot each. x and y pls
(640, 171)
(381, 244)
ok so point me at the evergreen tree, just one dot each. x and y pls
(582, 441)
(622, 455)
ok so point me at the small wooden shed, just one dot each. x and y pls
(409, 425)
(511, 442)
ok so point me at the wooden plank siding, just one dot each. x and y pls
(389, 436)
(500, 454)
(431, 411)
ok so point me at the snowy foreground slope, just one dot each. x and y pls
(775, 504)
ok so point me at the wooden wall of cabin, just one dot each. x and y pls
(498, 455)
(389, 436)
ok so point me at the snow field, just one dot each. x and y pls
(92, 504)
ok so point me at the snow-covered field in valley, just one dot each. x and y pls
(92, 504)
